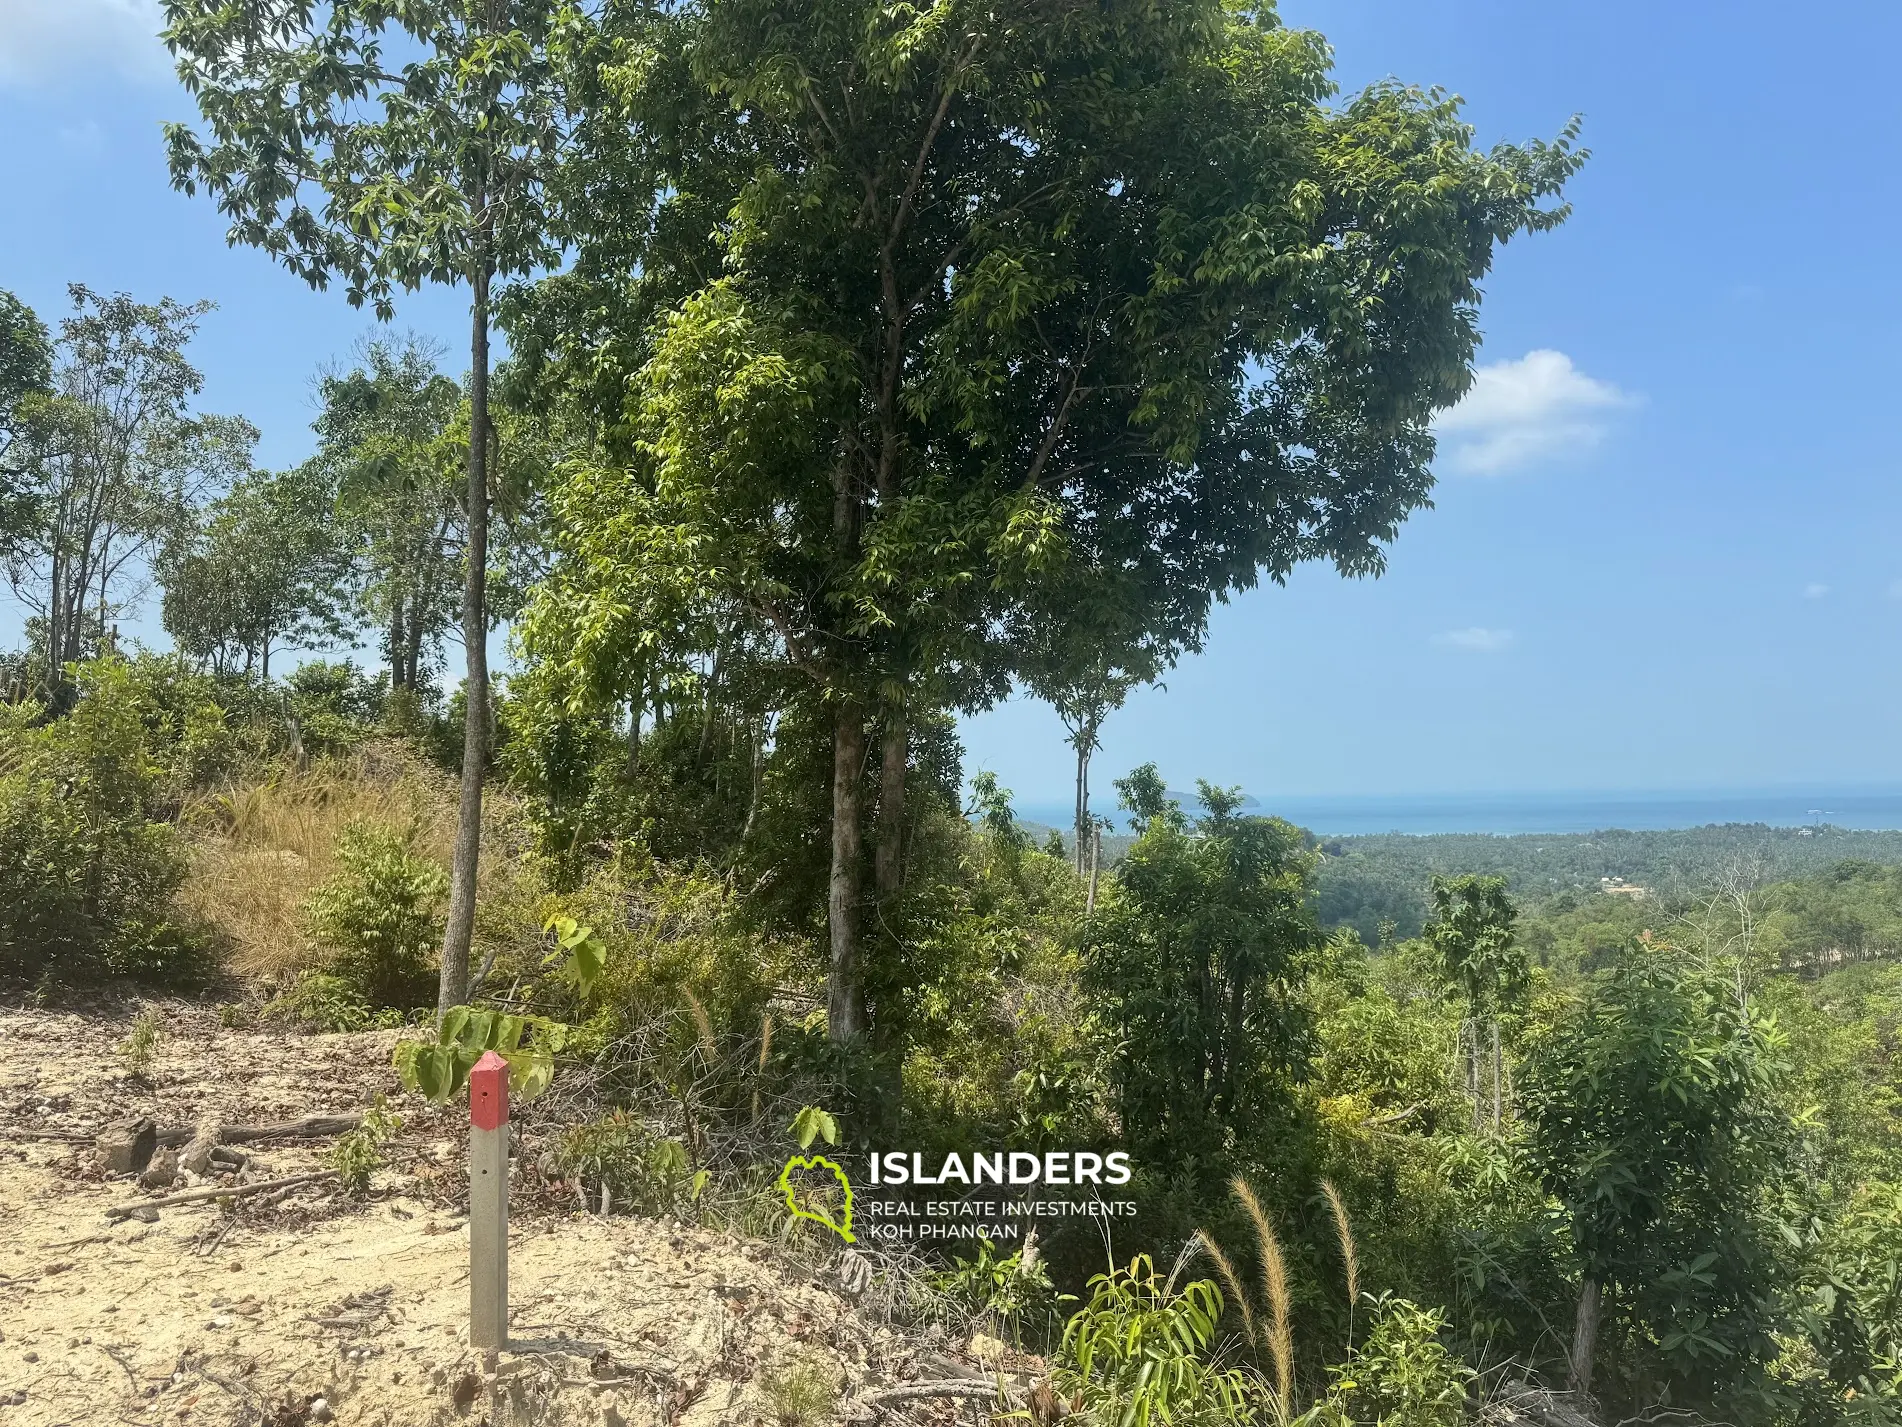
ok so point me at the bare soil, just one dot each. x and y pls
(323, 1307)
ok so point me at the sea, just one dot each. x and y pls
(1506, 813)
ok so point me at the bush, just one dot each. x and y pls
(380, 917)
(1403, 1375)
(638, 1170)
(91, 876)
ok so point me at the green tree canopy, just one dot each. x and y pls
(893, 316)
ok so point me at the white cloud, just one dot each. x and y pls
(1520, 413)
(45, 41)
(1815, 591)
(1475, 640)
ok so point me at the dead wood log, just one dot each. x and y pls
(232, 1191)
(311, 1127)
(918, 1391)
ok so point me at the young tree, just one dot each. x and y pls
(894, 313)
(262, 570)
(113, 464)
(1194, 958)
(386, 144)
(1475, 935)
(1656, 1123)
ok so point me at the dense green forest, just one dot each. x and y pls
(864, 364)
(1368, 881)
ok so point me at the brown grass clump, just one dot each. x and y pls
(1233, 1282)
(1350, 1255)
(262, 845)
(1274, 1273)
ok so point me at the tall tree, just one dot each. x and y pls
(26, 376)
(262, 570)
(1474, 932)
(392, 435)
(893, 312)
(386, 144)
(113, 464)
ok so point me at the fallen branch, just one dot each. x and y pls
(311, 1127)
(67, 1136)
(234, 1191)
(949, 1387)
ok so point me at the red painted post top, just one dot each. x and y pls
(489, 1092)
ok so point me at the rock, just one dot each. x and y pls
(145, 1214)
(126, 1148)
(320, 1411)
(161, 1171)
(195, 1158)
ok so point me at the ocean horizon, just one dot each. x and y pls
(1504, 814)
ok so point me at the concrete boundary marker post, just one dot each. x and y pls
(489, 1202)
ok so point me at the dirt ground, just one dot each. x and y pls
(324, 1308)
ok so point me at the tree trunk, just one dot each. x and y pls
(1584, 1339)
(1079, 817)
(888, 858)
(1498, 1072)
(399, 646)
(845, 988)
(460, 929)
(1096, 857)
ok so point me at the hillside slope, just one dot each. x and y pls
(320, 1307)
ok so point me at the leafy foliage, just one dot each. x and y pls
(381, 917)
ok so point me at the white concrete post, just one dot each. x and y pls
(489, 1202)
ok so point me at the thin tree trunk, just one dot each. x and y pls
(398, 645)
(459, 931)
(1079, 827)
(845, 989)
(1584, 1339)
(888, 857)
(1498, 1072)
(1096, 857)
(759, 778)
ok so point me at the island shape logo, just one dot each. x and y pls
(843, 1225)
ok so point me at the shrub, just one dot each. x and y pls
(137, 1048)
(800, 1394)
(1138, 1351)
(91, 876)
(380, 917)
(620, 1162)
(1403, 1375)
(359, 1153)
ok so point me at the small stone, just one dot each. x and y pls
(320, 1411)
(29, 1357)
(162, 1171)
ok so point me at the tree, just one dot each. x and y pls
(1475, 936)
(26, 376)
(1656, 1124)
(262, 569)
(113, 464)
(894, 315)
(1194, 957)
(428, 165)
(392, 434)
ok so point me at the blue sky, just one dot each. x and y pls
(1663, 550)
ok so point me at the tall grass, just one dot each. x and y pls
(1350, 1255)
(1274, 1274)
(263, 843)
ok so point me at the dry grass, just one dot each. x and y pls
(1274, 1273)
(1350, 1255)
(263, 844)
(1233, 1282)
